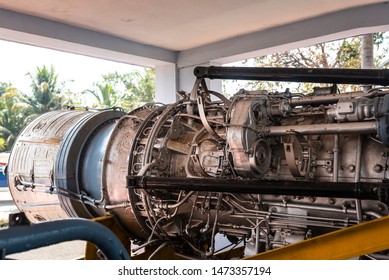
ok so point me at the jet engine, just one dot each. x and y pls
(263, 169)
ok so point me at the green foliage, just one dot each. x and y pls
(379, 38)
(348, 54)
(4, 87)
(344, 53)
(12, 115)
(69, 99)
(17, 109)
(45, 91)
(140, 89)
(2, 144)
(128, 91)
(105, 94)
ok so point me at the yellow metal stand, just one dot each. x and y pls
(355, 241)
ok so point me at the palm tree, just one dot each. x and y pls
(45, 92)
(128, 90)
(105, 95)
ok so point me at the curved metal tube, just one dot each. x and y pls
(24, 238)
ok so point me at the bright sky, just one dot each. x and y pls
(79, 72)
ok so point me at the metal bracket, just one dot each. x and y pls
(297, 154)
(18, 219)
(203, 117)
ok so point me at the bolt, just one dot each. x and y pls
(331, 201)
(311, 199)
(351, 168)
(378, 168)
(380, 207)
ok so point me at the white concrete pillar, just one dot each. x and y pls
(166, 83)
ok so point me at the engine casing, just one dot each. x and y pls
(263, 169)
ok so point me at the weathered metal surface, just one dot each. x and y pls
(32, 160)
(116, 165)
(263, 169)
(40, 161)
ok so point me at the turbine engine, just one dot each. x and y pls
(264, 169)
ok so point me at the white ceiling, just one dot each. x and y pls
(178, 25)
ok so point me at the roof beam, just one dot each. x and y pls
(41, 32)
(345, 23)
(51, 34)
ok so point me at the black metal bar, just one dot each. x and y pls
(24, 238)
(298, 188)
(310, 75)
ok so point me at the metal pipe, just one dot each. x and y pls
(336, 159)
(23, 238)
(373, 213)
(286, 217)
(257, 238)
(320, 129)
(310, 75)
(158, 249)
(358, 160)
(379, 256)
(358, 164)
(331, 98)
(310, 207)
(256, 213)
(361, 190)
(327, 98)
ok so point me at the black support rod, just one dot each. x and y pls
(298, 188)
(310, 75)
